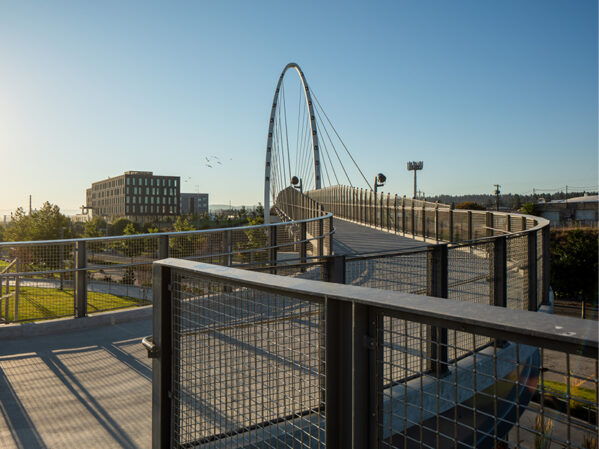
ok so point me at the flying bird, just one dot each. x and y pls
(208, 165)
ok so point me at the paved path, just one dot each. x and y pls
(351, 238)
(87, 389)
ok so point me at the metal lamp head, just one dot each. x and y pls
(294, 180)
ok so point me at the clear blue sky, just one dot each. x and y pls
(483, 91)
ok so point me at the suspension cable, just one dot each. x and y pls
(339, 137)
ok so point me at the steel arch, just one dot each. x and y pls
(313, 132)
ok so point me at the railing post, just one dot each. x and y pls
(228, 248)
(163, 246)
(423, 222)
(350, 375)
(17, 289)
(162, 364)
(272, 252)
(374, 210)
(437, 286)
(469, 225)
(81, 279)
(489, 223)
(334, 269)
(546, 262)
(499, 275)
(451, 224)
(413, 219)
(523, 221)
(403, 215)
(437, 222)
(320, 227)
(330, 236)
(508, 223)
(395, 214)
(303, 242)
(532, 270)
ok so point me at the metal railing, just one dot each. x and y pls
(76, 277)
(246, 359)
(488, 237)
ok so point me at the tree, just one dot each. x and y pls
(43, 224)
(259, 210)
(118, 227)
(256, 239)
(131, 247)
(517, 202)
(470, 205)
(47, 223)
(182, 246)
(96, 227)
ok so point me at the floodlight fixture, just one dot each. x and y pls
(297, 183)
(415, 166)
(379, 181)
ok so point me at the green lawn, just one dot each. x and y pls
(36, 303)
(559, 390)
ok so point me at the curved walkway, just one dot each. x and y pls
(352, 238)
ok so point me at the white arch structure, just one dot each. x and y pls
(313, 132)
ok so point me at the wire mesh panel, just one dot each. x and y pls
(248, 367)
(430, 223)
(36, 281)
(470, 277)
(479, 225)
(460, 225)
(470, 273)
(417, 220)
(504, 395)
(402, 272)
(500, 222)
(118, 287)
(517, 272)
(409, 221)
(444, 225)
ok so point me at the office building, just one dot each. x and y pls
(136, 195)
(194, 203)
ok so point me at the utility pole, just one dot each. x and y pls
(29, 204)
(497, 192)
(415, 166)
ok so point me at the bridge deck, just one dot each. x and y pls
(352, 238)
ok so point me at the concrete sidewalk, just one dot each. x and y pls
(88, 388)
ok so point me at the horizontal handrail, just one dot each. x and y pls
(553, 332)
(156, 234)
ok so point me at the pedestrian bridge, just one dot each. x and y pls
(351, 318)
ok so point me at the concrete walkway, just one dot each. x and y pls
(352, 238)
(89, 388)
